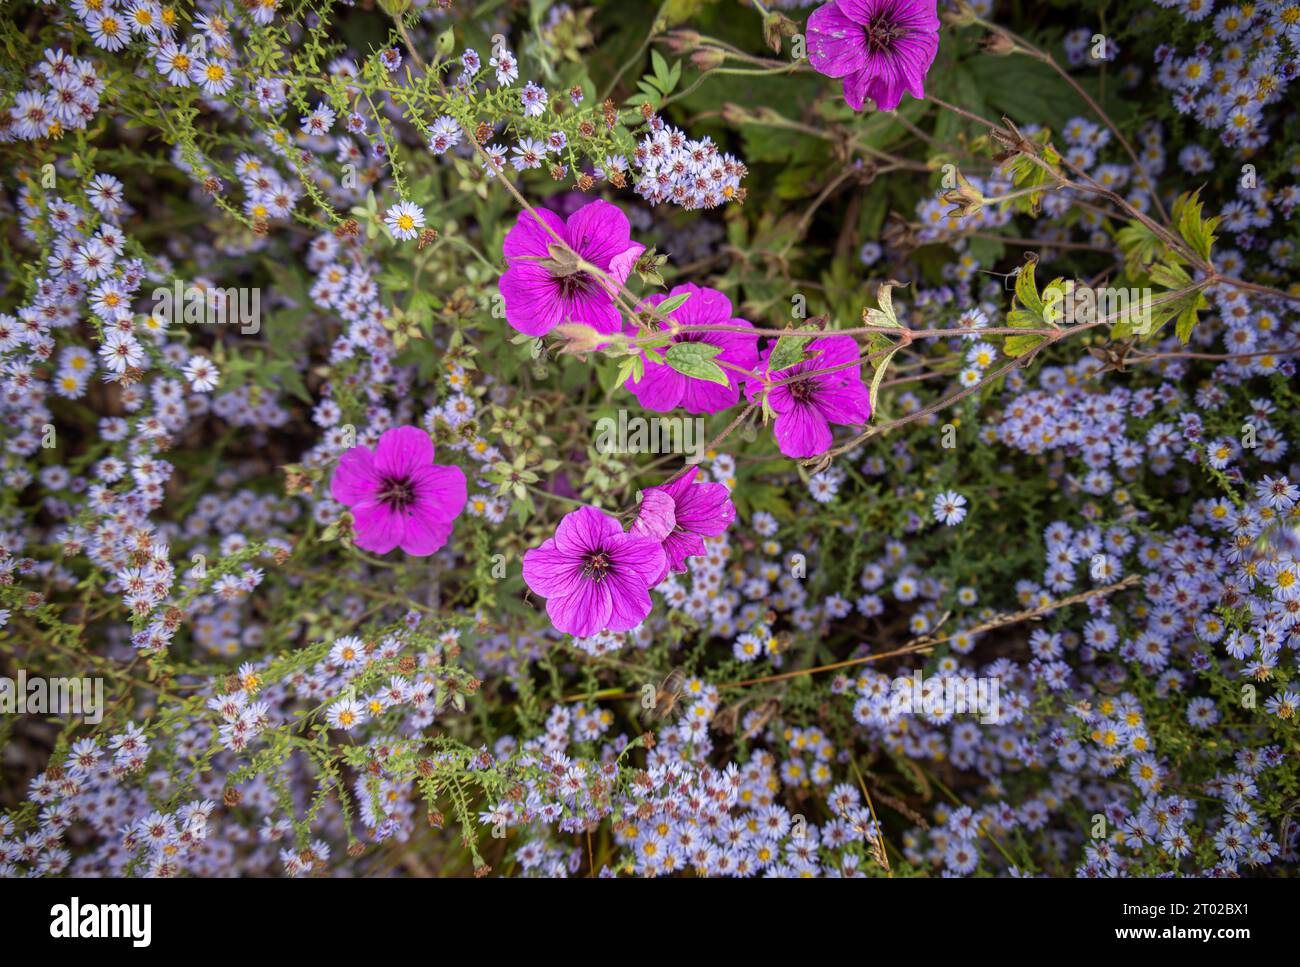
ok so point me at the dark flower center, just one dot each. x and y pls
(802, 391)
(596, 565)
(577, 284)
(881, 32)
(397, 492)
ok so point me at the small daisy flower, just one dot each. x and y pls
(950, 508)
(404, 220)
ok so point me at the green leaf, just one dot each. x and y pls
(788, 352)
(1186, 323)
(695, 359)
(1029, 174)
(1016, 346)
(672, 302)
(878, 376)
(1171, 276)
(664, 78)
(1197, 231)
(629, 368)
(884, 315)
(1140, 247)
(1027, 290)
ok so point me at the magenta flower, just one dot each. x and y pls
(661, 388)
(398, 495)
(680, 515)
(539, 295)
(805, 409)
(593, 575)
(880, 47)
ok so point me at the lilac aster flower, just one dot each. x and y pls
(540, 294)
(398, 495)
(880, 47)
(805, 409)
(594, 576)
(681, 514)
(662, 388)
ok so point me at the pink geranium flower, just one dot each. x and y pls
(661, 388)
(880, 47)
(399, 497)
(681, 514)
(539, 294)
(594, 576)
(805, 409)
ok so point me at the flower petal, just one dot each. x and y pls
(355, 479)
(583, 612)
(530, 297)
(584, 530)
(529, 237)
(836, 45)
(440, 490)
(550, 572)
(378, 528)
(802, 431)
(402, 451)
(658, 515)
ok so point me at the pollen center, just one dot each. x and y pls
(881, 32)
(397, 492)
(596, 565)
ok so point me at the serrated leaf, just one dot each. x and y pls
(1029, 174)
(1027, 290)
(788, 352)
(1197, 231)
(1186, 323)
(629, 368)
(884, 315)
(1016, 346)
(1140, 247)
(878, 376)
(1170, 276)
